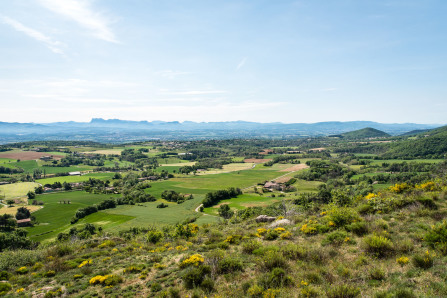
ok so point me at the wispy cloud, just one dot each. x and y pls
(242, 63)
(82, 13)
(196, 92)
(53, 45)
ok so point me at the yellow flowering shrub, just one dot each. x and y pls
(85, 263)
(106, 280)
(107, 243)
(399, 188)
(428, 186)
(370, 196)
(286, 235)
(22, 270)
(402, 261)
(280, 229)
(261, 231)
(159, 266)
(270, 293)
(194, 260)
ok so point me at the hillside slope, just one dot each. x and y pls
(431, 144)
(365, 133)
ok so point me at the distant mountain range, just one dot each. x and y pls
(118, 131)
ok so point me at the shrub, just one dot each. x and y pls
(342, 216)
(22, 270)
(438, 235)
(402, 261)
(271, 235)
(358, 228)
(275, 279)
(133, 269)
(162, 205)
(194, 276)
(293, 252)
(255, 291)
(335, 238)
(273, 259)
(343, 291)
(106, 280)
(5, 275)
(207, 284)
(194, 260)
(250, 246)
(5, 288)
(378, 245)
(156, 287)
(377, 274)
(49, 273)
(229, 265)
(424, 261)
(154, 236)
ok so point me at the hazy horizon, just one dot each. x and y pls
(212, 61)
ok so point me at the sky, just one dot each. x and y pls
(206, 60)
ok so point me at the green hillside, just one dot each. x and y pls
(365, 133)
(432, 144)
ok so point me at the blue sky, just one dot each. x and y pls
(265, 61)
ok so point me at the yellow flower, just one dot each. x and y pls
(84, 263)
(20, 290)
(194, 260)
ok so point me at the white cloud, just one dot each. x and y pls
(82, 13)
(53, 45)
(196, 92)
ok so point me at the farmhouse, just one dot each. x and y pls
(273, 186)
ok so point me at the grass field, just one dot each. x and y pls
(72, 179)
(232, 167)
(55, 217)
(16, 190)
(244, 201)
(13, 210)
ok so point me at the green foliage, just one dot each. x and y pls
(225, 211)
(335, 238)
(154, 236)
(195, 275)
(437, 236)
(249, 246)
(273, 259)
(275, 279)
(377, 273)
(378, 245)
(5, 288)
(342, 216)
(359, 228)
(424, 261)
(343, 291)
(228, 265)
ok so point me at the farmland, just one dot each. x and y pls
(213, 191)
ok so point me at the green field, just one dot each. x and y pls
(17, 189)
(244, 201)
(55, 217)
(73, 179)
(391, 161)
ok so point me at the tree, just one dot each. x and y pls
(31, 195)
(22, 213)
(10, 202)
(225, 211)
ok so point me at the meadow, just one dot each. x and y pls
(17, 190)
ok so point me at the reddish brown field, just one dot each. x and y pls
(27, 155)
(256, 160)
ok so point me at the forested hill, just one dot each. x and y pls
(365, 133)
(431, 144)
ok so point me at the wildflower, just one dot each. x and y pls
(84, 263)
(194, 260)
